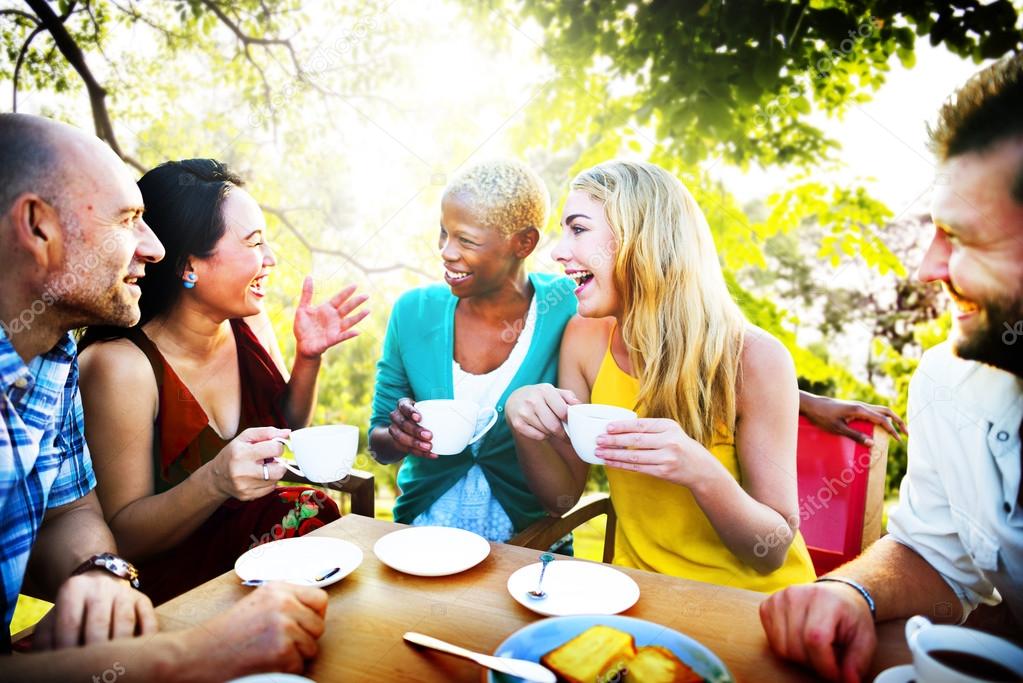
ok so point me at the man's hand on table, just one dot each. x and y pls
(92, 608)
(275, 628)
(826, 626)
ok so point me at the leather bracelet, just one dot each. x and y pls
(859, 589)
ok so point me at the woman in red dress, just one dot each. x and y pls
(182, 409)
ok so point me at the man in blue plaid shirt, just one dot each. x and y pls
(74, 245)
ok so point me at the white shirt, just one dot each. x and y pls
(958, 502)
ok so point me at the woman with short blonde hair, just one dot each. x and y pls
(488, 329)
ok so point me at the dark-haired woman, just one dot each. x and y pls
(182, 409)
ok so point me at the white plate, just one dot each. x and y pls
(431, 550)
(299, 558)
(574, 587)
(897, 674)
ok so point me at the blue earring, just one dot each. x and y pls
(190, 279)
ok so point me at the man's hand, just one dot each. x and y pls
(275, 628)
(826, 626)
(94, 607)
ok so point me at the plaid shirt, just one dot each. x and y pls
(44, 462)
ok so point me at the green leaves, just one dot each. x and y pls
(710, 70)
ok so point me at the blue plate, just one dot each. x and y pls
(534, 641)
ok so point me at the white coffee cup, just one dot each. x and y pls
(587, 421)
(324, 454)
(454, 424)
(925, 638)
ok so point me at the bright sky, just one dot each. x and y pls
(883, 141)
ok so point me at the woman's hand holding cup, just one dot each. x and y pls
(247, 467)
(408, 435)
(538, 411)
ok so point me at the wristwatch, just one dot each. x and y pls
(118, 566)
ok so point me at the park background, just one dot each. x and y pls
(799, 126)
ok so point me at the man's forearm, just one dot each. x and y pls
(67, 537)
(902, 583)
(150, 658)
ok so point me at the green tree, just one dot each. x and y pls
(691, 84)
(147, 71)
(735, 79)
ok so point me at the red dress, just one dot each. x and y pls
(183, 441)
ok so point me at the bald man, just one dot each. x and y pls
(74, 246)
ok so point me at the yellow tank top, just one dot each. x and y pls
(662, 529)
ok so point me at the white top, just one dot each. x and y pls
(470, 504)
(486, 390)
(958, 503)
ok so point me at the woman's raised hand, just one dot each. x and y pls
(536, 412)
(238, 468)
(317, 328)
(407, 434)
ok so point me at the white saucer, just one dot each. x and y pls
(294, 559)
(272, 678)
(897, 674)
(431, 550)
(574, 587)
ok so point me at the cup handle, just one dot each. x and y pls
(294, 468)
(915, 624)
(490, 423)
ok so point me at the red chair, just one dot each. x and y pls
(841, 498)
(841, 492)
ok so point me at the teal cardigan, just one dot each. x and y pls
(416, 362)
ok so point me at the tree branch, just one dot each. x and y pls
(19, 13)
(282, 215)
(17, 65)
(73, 54)
(252, 40)
(133, 12)
(96, 34)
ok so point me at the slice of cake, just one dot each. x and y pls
(656, 664)
(590, 654)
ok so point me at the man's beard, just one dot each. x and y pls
(998, 339)
(89, 291)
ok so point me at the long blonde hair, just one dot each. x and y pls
(683, 330)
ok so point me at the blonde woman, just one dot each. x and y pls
(704, 481)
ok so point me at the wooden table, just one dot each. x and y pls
(372, 607)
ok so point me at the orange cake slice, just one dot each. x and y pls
(590, 654)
